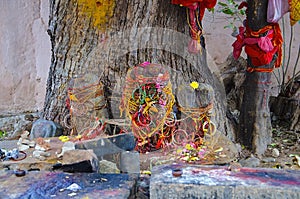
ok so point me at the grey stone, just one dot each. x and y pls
(45, 185)
(109, 145)
(38, 154)
(250, 162)
(218, 182)
(204, 94)
(130, 162)
(39, 148)
(8, 144)
(275, 153)
(45, 128)
(268, 160)
(23, 147)
(189, 97)
(68, 146)
(108, 167)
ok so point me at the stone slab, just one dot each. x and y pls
(130, 162)
(45, 185)
(219, 182)
(30, 162)
(8, 144)
(108, 145)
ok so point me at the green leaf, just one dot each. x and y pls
(2, 134)
(231, 1)
(231, 26)
(273, 144)
(242, 12)
(222, 4)
(212, 10)
(227, 11)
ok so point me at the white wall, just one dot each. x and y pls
(24, 55)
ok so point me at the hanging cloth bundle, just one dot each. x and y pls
(276, 10)
(260, 49)
(195, 13)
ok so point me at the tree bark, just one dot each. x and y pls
(131, 32)
(255, 130)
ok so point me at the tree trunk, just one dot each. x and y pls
(106, 38)
(255, 124)
(286, 112)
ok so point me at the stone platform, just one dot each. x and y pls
(31, 162)
(219, 182)
(101, 147)
(45, 185)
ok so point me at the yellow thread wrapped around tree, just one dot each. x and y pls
(147, 99)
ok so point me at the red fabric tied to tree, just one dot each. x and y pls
(203, 4)
(196, 10)
(260, 49)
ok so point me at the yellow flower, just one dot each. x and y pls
(194, 85)
(146, 172)
(188, 147)
(73, 98)
(194, 158)
(64, 138)
(78, 136)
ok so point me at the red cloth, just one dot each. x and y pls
(206, 3)
(260, 49)
(194, 16)
(192, 4)
(264, 43)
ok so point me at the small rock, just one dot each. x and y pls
(250, 162)
(38, 154)
(268, 160)
(39, 148)
(24, 141)
(108, 167)
(68, 146)
(72, 194)
(41, 158)
(20, 141)
(42, 143)
(25, 134)
(275, 153)
(234, 166)
(31, 144)
(45, 128)
(23, 147)
(20, 173)
(74, 187)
